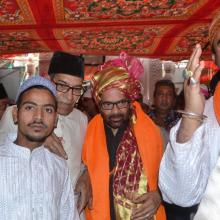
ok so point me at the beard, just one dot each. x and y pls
(116, 120)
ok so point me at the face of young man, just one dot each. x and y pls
(119, 113)
(164, 99)
(36, 117)
(69, 90)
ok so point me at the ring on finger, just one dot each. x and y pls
(192, 81)
(187, 73)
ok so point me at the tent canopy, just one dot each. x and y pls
(166, 29)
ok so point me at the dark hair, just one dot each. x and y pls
(18, 103)
(164, 82)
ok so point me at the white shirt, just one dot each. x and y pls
(34, 185)
(185, 168)
(71, 128)
(209, 208)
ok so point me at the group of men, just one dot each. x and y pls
(45, 118)
(66, 75)
(121, 149)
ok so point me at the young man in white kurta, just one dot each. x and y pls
(34, 185)
(72, 130)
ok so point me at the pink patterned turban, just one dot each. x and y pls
(122, 73)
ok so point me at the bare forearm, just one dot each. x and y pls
(186, 130)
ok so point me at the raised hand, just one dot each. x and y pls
(194, 99)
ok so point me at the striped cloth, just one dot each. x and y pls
(34, 185)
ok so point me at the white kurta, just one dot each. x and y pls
(71, 128)
(34, 185)
(186, 168)
(209, 208)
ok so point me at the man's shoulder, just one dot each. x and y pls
(77, 112)
(77, 115)
(55, 159)
(7, 150)
(4, 150)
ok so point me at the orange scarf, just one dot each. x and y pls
(216, 100)
(95, 156)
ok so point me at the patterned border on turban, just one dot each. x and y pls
(214, 28)
(121, 73)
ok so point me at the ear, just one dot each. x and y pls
(15, 114)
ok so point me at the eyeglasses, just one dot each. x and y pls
(124, 103)
(76, 90)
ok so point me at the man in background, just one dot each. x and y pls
(163, 113)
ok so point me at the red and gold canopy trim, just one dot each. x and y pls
(166, 29)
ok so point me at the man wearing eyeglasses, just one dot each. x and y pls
(123, 147)
(66, 72)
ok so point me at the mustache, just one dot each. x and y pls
(116, 116)
(37, 123)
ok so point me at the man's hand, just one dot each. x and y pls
(147, 205)
(84, 189)
(54, 144)
(194, 99)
